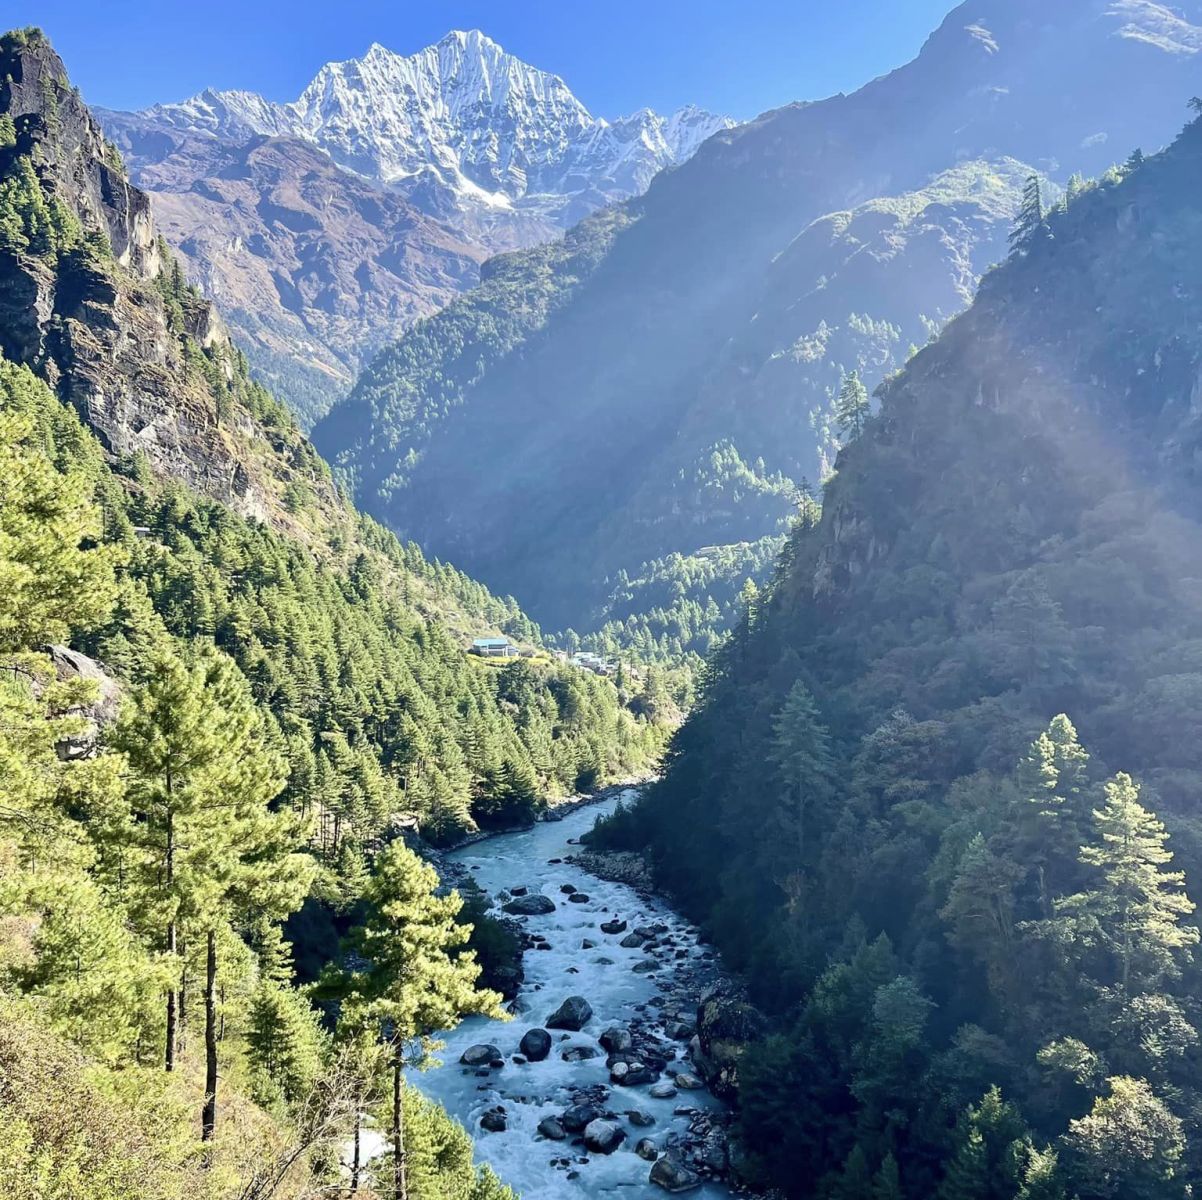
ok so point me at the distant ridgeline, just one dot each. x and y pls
(276, 685)
(960, 909)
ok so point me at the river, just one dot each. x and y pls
(532, 1165)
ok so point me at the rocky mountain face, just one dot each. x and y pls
(657, 402)
(328, 225)
(89, 301)
(314, 268)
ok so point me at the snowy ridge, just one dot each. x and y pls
(460, 121)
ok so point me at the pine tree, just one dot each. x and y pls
(414, 978)
(170, 742)
(284, 1040)
(1136, 908)
(1052, 780)
(1030, 222)
(852, 406)
(991, 1152)
(1076, 188)
(52, 579)
(202, 777)
(855, 1181)
(92, 976)
(886, 1184)
(801, 753)
(980, 912)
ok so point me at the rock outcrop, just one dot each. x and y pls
(726, 1023)
(97, 712)
(89, 302)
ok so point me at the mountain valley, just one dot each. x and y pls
(326, 227)
(841, 843)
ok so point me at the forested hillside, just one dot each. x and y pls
(223, 692)
(675, 389)
(940, 798)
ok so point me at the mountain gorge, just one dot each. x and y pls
(684, 354)
(326, 226)
(867, 866)
(972, 937)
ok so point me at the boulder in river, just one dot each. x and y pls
(577, 898)
(479, 1056)
(689, 1082)
(616, 1039)
(535, 1044)
(614, 926)
(549, 1127)
(632, 941)
(673, 1176)
(574, 1119)
(646, 1148)
(663, 1091)
(635, 1075)
(567, 888)
(537, 905)
(579, 1053)
(602, 1136)
(493, 1121)
(574, 1013)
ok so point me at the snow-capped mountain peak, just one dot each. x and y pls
(459, 125)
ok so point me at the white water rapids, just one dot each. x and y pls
(527, 1162)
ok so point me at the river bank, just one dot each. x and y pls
(556, 810)
(590, 1090)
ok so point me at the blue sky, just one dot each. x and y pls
(616, 55)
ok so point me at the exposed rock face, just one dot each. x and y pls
(726, 1023)
(98, 328)
(97, 713)
(314, 267)
(75, 161)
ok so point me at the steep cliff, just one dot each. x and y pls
(88, 300)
